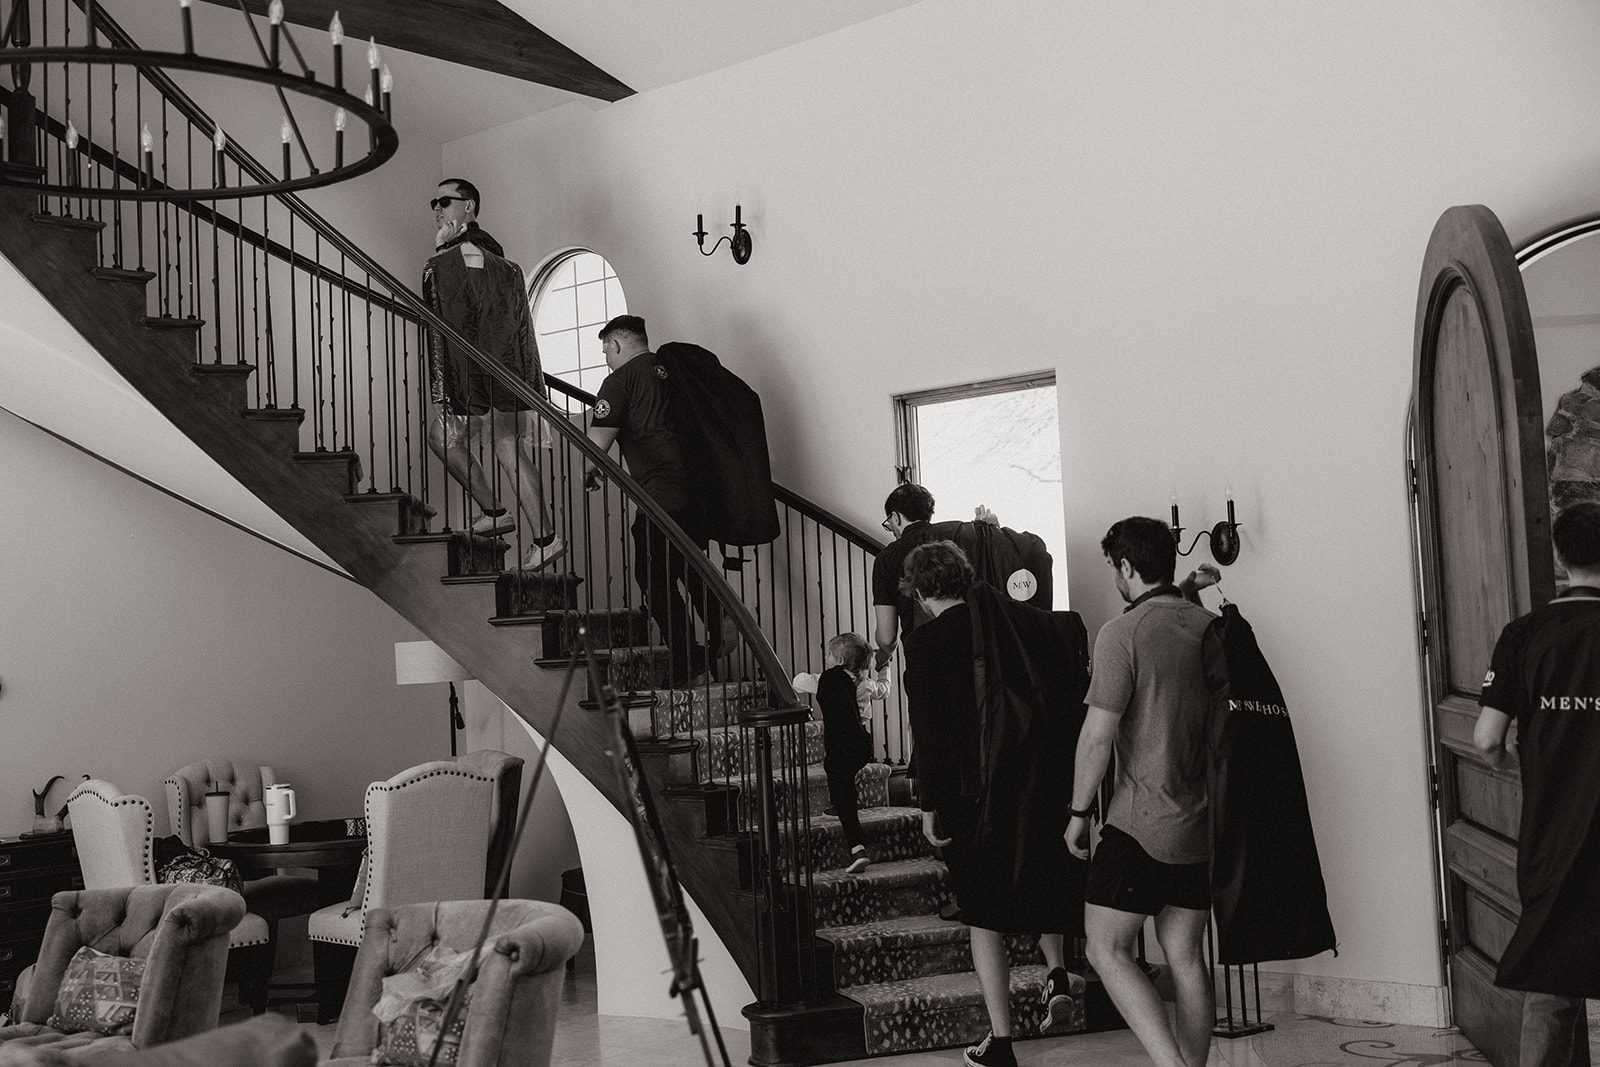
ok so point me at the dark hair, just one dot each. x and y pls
(628, 324)
(938, 570)
(468, 191)
(1145, 543)
(852, 652)
(1576, 533)
(910, 500)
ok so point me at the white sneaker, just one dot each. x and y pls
(494, 525)
(544, 555)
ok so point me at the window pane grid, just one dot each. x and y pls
(572, 299)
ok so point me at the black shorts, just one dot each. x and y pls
(1123, 876)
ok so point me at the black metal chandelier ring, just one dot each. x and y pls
(382, 141)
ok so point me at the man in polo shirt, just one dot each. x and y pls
(1545, 676)
(1148, 701)
(631, 410)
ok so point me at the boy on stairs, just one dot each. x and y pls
(844, 691)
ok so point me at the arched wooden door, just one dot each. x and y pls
(1484, 529)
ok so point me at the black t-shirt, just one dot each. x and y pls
(889, 568)
(633, 399)
(1545, 673)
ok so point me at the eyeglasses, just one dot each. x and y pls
(888, 524)
(445, 201)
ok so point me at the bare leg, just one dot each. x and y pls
(1112, 938)
(1180, 932)
(447, 439)
(994, 976)
(514, 441)
(1055, 955)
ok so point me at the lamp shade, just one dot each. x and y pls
(416, 662)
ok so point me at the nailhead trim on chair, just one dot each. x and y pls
(148, 860)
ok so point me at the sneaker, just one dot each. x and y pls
(1057, 999)
(859, 860)
(544, 555)
(488, 525)
(990, 1052)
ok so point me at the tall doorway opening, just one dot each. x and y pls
(995, 443)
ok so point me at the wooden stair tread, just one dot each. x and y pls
(276, 414)
(123, 274)
(167, 322)
(70, 222)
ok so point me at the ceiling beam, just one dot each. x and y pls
(475, 33)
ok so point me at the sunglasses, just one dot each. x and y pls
(445, 201)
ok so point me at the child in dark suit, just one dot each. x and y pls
(846, 745)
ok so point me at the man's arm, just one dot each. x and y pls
(603, 437)
(1490, 735)
(1088, 770)
(886, 628)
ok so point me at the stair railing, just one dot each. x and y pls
(334, 342)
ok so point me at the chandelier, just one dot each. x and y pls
(69, 144)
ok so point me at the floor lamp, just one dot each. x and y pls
(419, 662)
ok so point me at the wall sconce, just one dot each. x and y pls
(738, 244)
(1223, 537)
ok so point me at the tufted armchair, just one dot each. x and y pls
(245, 784)
(115, 836)
(427, 839)
(180, 930)
(278, 896)
(505, 771)
(511, 1017)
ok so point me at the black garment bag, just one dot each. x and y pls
(1268, 896)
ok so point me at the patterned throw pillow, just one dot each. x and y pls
(407, 1041)
(98, 992)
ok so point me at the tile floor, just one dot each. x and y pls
(585, 1039)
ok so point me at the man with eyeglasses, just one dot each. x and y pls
(908, 514)
(471, 285)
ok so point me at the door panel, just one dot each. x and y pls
(1484, 537)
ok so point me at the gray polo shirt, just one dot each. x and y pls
(1148, 670)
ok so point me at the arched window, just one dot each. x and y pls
(574, 294)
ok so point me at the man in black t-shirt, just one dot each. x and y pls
(631, 410)
(907, 514)
(1545, 676)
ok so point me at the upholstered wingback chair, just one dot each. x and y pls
(511, 1018)
(505, 771)
(427, 839)
(245, 784)
(181, 931)
(115, 835)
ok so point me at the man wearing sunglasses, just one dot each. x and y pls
(482, 295)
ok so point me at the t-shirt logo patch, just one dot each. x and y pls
(1488, 679)
(1022, 584)
(602, 408)
(661, 372)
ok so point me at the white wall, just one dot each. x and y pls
(1208, 220)
(138, 633)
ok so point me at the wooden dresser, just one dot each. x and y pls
(32, 870)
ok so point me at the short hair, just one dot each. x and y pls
(628, 324)
(852, 652)
(910, 500)
(468, 191)
(1576, 533)
(1147, 544)
(938, 570)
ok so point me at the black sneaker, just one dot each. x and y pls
(859, 860)
(1057, 999)
(990, 1052)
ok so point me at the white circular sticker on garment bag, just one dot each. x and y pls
(1022, 584)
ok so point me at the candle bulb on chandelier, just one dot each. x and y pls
(147, 174)
(372, 62)
(387, 82)
(284, 132)
(336, 32)
(338, 138)
(188, 26)
(275, 21)
(219, 142)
